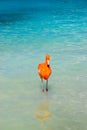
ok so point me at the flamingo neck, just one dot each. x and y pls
(47, 62)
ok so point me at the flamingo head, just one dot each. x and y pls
(48, 59)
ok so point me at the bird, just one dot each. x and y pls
(44, 71)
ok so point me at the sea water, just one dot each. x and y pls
(28, 31)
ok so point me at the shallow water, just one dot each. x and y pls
(26, 36)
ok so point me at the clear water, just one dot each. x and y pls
(29, 30)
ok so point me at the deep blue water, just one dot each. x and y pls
(29, 30)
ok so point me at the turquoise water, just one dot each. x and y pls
(27, 33)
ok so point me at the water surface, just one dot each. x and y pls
(27, 33)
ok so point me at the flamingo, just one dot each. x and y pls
(44, 71)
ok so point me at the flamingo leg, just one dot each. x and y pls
(47, 85)
(42, 85)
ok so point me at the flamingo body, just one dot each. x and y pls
(44, 71)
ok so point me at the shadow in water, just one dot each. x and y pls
(43, 113)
